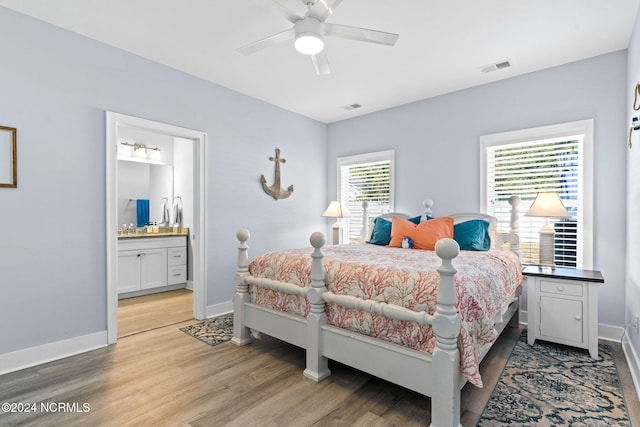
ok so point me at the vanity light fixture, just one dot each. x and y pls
(139, 146)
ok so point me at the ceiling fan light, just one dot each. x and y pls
(309, 43)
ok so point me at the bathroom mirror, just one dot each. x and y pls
(8, 157)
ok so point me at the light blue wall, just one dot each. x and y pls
(54, 88)
(437, 147)
(56, 85)
(633, 195)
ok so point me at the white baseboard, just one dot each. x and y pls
(633, 361)
(151, 291)
(610, 333)
(218, 309)
(28, 357)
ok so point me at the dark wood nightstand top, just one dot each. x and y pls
(564, 273)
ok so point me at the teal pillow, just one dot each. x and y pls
(381, 234)
(416, 219)
(472, 235)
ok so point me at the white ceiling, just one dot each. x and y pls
(442, 45)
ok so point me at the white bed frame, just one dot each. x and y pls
(441, 379)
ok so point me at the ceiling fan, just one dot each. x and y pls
(308, 31)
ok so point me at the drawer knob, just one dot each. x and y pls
(561, 288)
(578, 317)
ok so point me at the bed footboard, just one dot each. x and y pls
(442, 378)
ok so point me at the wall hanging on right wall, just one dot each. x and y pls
(8, 157)
(635, 121)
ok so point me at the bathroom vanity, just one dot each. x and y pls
(149, 263)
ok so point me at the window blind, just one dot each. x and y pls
(365, 178)
(525, 168)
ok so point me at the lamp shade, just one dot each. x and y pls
(337, 210)
(548, 205)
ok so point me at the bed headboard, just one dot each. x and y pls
(498, 239)
(427, 203)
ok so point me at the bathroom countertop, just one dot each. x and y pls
(164, 232)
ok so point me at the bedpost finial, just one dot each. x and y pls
(447, 248)
(243, 235)
(317, 240)
(365, 204)
(428, 203)
(514, 201)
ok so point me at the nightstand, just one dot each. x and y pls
(563, 306)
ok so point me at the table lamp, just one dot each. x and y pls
(337, 210)
(547, 205)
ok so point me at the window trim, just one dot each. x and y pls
(556, 131)
(376, 156)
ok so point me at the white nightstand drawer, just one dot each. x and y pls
(561, 288)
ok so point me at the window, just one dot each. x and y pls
(365, 177)
(551, 158)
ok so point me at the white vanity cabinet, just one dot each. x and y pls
(143, 268)
(151, 263)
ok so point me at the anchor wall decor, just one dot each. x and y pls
(275, 190)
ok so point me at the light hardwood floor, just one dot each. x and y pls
(153, 311)
(164, 377)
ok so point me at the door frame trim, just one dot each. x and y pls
(197, 235)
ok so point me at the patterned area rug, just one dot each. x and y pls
(554, 385)
(213, 331)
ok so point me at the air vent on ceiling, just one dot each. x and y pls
(352, 107)
(495, 67)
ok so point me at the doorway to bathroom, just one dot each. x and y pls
(156, 203)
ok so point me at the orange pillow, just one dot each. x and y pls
(424, 235)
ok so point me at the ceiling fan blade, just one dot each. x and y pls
(278, 9)
(360, 34)
(323, 9)
(320, 63)
(267, 42)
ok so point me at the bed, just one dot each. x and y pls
(389, 311)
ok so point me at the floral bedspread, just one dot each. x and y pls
(406, 277)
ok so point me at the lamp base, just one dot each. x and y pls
(547, 248)
(337, 233)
